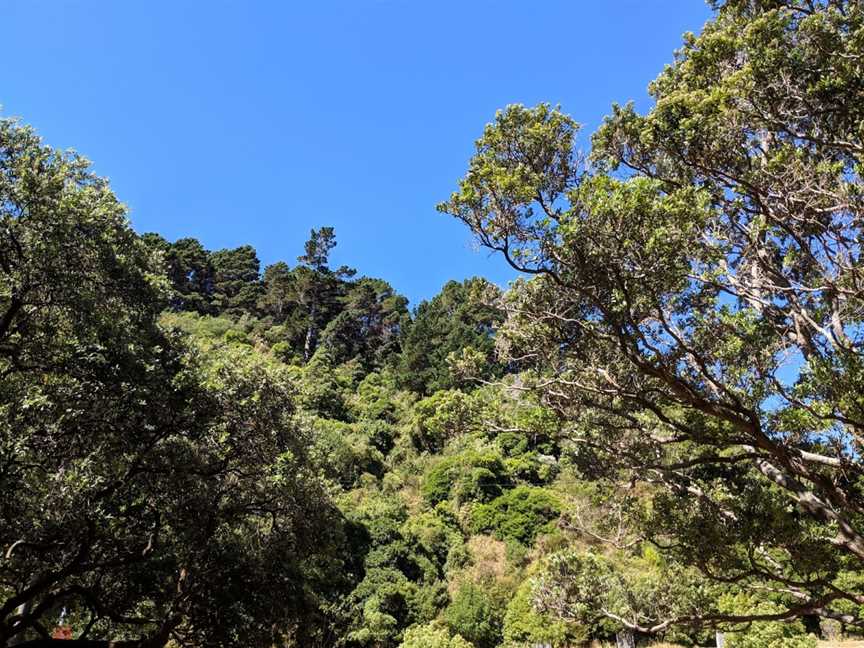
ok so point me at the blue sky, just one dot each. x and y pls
(252, 122)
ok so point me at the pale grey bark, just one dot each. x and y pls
(625, 639)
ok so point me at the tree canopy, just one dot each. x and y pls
(143, 478)
(696, 312)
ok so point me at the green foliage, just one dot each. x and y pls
(442, 417)
(435, 533)
(323, 387)
(469, 476)
(318, 287)
(432, 636)
(475, 615)
(233, 336)
(772, 634)
(283, 351)
(524, 625)
(189, 269)
(376, 399)
(291, 309)
(370, 324)
(599, 591)
(404, 563)
(149, 481)
(235, 280)
(457, 318)
(520, 514)
(346, 451)
(684, 317)
(277, 291)
(210, 328)
(189, 446)
(439, 480)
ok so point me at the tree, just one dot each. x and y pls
(318, 285)
(188, 267)
(277, 291)
(458, 318)
(403, 559)
(697, 308)
(607, 592)
(442, 417)
(149, 488)
(525, 626)
(236, 280)
(369, 326)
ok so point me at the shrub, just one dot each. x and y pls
(471, 476)
(345, 453)
(772, 634)
(432, 635)
(442, 417)
(474, 615)
(523, 625)
(285, 352)
(519, 514)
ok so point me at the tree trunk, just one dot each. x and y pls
(720, 639)
(21, 611)
(311, 335)
(830, 630)
(625, 639)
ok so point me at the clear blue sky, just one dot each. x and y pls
(252, 122)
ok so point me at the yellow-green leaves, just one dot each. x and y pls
(524, 165)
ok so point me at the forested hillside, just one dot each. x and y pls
(653, 435)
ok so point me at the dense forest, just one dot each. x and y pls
(654, 435)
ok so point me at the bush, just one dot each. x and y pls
(518, 515)
(374, 398)
(474, 615)
(438, 481)
(523, 625)
(771, 634)
(201, 326)
(345, 453)
(442, 417)
(285, 352)
(471, 476)
(432, 636)
(434, 535)
(233, 336)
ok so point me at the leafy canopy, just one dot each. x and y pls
(697, 308)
